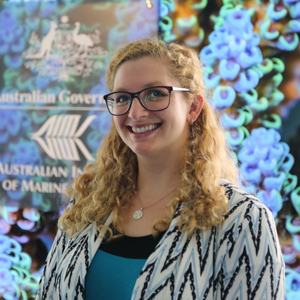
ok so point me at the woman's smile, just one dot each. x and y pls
(143, 128)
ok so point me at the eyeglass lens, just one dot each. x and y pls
(156, 98)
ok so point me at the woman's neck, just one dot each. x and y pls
(157, 181)
(158, 177)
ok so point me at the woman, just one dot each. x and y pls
(154, 217)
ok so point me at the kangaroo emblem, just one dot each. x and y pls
(46, 43)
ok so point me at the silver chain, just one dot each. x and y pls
(154, 202)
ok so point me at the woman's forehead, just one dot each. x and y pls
(147, 71)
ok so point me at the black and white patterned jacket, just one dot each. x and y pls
(240, 259)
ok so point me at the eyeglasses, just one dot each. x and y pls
(155, 98)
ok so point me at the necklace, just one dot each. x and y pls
(139, 213)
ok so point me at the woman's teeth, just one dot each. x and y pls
(144, 129)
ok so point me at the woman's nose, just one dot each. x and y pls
(137, 111)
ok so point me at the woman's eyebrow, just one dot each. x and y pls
(150, 84)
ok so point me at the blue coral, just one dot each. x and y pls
(102, 123)
(223, 96)
(270, 121)
(237, 118)
(292, 26)
(272, 199)
(14, 61)
(236, 46)
(249, 97)
(211, 79)
(295, 197)
(220, 50)
(246, 81)
(238, 23)
(281, 25)
(290, 184)
(292, 225)
(25, 152)
(12, 38)
(294, 8)
(13, 123)
(249, 57)
(260, 105)
(287, 42)
(166, 6)
(138, 29)
(8, 19)
(233, 53)
(208, 56)
(265, 163)
(32, 8)
(165, 22)
(72, 3)
(276, 14)
(229, 69)
(47, 8)
(292, 284)
(15, 270)
(4, 159)
(233, 120)
(236, 136)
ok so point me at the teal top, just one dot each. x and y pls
(111, 277)
(117, 265)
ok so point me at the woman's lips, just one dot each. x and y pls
(143, 129)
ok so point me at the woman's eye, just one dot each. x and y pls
(122, 99)
(157, 93)
(154, 94)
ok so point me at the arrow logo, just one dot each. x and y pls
(62, 135)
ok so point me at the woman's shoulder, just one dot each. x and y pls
(68, 203)
(71, 203)
(245, 211)
(240, 198)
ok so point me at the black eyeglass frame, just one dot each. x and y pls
(137, 95)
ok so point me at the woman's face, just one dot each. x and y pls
(172, 124)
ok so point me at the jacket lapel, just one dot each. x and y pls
(160, 270)
(76, 259)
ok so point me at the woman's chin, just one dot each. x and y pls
(144, 151)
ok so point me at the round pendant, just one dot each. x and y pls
(137, 214)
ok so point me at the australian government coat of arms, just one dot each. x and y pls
(65, 52)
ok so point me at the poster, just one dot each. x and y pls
(53, 116)
(53, 57)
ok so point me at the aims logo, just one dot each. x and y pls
(62, 137)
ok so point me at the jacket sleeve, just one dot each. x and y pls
(252, 266)
(47, 281)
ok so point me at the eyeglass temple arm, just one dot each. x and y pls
(180, 89)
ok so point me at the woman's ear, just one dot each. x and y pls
(195, 108)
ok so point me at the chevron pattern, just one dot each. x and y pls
(239, 259)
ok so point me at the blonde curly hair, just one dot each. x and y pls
(109, 184)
